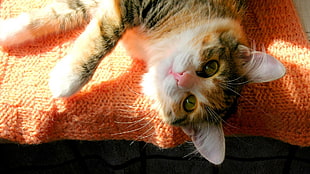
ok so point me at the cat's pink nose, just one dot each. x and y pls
(184, 79)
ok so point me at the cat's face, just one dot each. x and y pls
(201, 82)
(198, 81)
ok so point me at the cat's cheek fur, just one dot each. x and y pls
(14, 31)
(64, 80)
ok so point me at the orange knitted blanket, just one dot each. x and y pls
(112, 106)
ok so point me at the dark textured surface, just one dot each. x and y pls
(244, 155)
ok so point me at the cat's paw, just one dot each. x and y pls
(64, 81)
(15, 30)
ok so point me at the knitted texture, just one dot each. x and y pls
(111, 105)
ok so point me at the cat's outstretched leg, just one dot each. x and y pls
(99, 38)
(56, 17)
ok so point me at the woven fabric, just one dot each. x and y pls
(111, 105)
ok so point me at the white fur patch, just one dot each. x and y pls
(15, 31)
(148, 83)
(63, 80)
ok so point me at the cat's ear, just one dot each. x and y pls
(259, 66)
(209, 141)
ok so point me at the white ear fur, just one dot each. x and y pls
(209, 141)
(261, 67)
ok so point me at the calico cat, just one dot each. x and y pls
(196, 52)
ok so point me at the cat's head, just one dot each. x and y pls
(200, 81)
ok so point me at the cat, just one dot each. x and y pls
(196, 52)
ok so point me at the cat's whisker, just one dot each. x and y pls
(210, 113)
(130, 122)
(133, 114)
(131, 131)
(131, 111)
(135, 107)
(219, 118)
(226, 86)
(145, 134)
(240, 77)
(238, 83)
(151, 119)
(240, 80)
(191, 154)
(133, 123)
(229, 125)
(134, 91)
(213, 115)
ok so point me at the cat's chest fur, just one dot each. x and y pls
(140, 44)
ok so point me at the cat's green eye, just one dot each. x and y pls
(209, 69)
(190, 103)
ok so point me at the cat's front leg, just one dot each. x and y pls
(75, 70)
(14, 30)
(56, 17)
(65, 78)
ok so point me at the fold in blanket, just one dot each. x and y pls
(111, 106)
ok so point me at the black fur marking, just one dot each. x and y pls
(78, 5)
(89, 67)
(150, 14)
